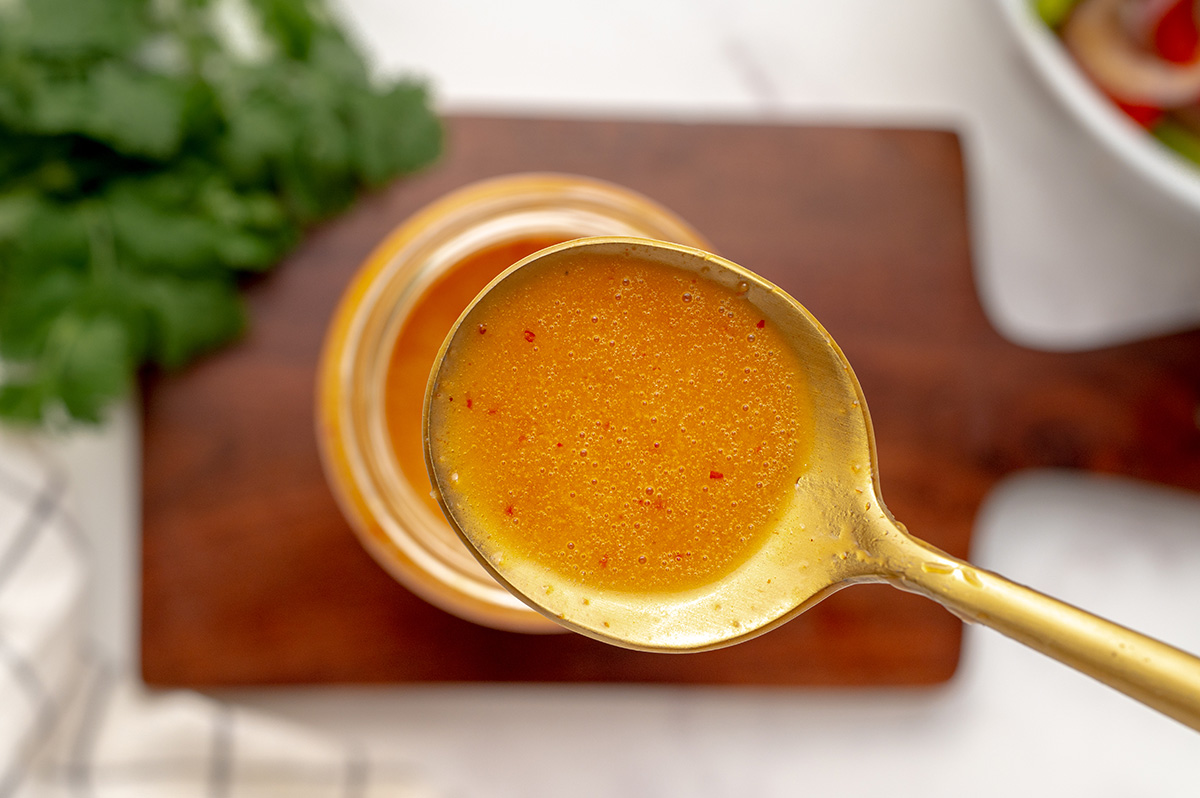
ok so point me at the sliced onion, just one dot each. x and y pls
(1139, 18)
(1095, 35)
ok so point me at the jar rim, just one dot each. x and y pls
(420, 550)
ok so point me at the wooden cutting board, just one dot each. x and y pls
(251, 576)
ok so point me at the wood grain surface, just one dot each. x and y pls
(251, 576)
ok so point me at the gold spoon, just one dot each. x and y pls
(834, 530)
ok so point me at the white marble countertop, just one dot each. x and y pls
(1072, 251)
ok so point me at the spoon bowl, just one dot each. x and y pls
(828, 530)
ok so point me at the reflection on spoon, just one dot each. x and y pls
(659, 449)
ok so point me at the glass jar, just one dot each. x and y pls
(361, 424)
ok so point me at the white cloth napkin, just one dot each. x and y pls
(72, 722)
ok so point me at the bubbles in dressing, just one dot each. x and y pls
(672, 469)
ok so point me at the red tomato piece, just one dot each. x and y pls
(1177, 38)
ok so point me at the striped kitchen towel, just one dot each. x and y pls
(73, 723)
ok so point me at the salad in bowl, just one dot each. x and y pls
(1142, 54)
(1129, 70)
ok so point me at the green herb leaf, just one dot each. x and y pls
(92, 361)
(138, 113)
(145, 164)
(75, 29)
(394, 131)
(189, 317)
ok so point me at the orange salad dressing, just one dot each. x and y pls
(626, 425)
(418, 343)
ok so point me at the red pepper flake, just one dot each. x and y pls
(603, 562)
(482, 329)
(521, 438)
(508, 510)
(559, 445)
(491, 411)
(761, 323)
(529, 336)
(715, 475)
(470, 404)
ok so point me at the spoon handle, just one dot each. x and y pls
(1158, 675)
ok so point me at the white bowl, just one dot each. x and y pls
(1129, 142)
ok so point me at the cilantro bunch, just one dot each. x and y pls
(152, 153)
